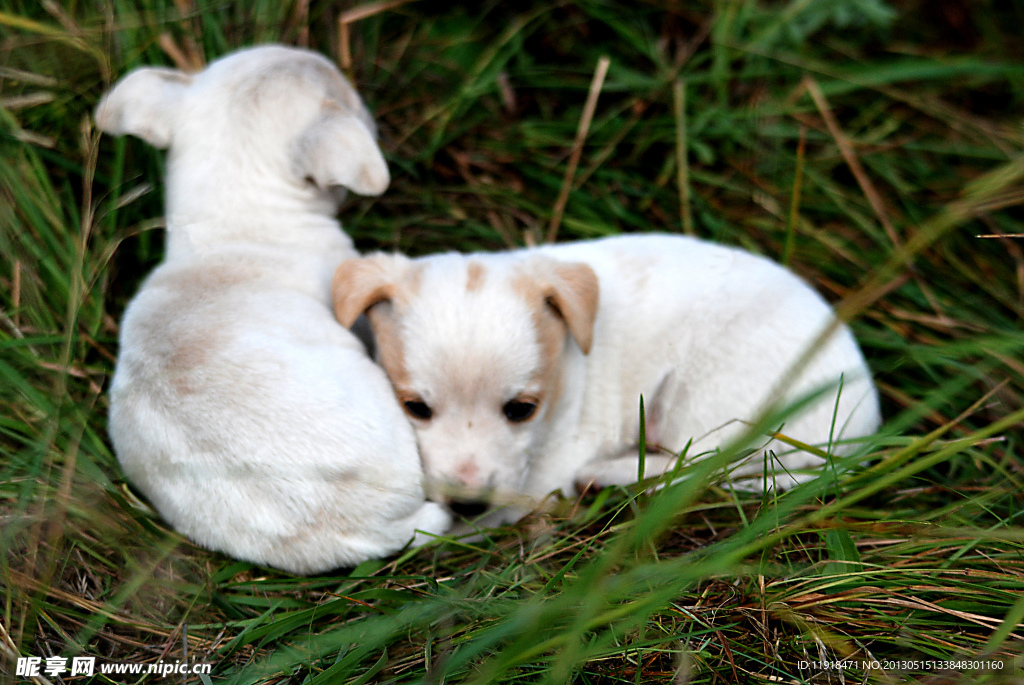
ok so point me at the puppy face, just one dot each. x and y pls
(474, 347)
(265, 112)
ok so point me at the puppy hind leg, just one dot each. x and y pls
(657, 407)
(622, 470)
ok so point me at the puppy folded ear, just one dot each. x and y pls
(571, 289)
(143, 104)
(340, 150)
(361, 283)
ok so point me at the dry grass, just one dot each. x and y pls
(868, 154)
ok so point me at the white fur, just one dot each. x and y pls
(253, 422)
(705, 332)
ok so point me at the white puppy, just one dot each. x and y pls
(253, 422)
(522, 371)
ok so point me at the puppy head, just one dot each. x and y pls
(266, 110)
(475, 347)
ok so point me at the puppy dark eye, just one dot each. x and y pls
(418, 409)
(518, 411)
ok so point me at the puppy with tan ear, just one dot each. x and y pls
(254, 423)
(522, 371)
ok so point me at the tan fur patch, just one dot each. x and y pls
(183, 347)
(412, 279)
(570, 287)
(551, 339)
(181, 364)
(576, 293)
(474, 276)
(390, 348)
(190, 352)
(386, 333)
(551, 332)
(195, 283)
(358, 284)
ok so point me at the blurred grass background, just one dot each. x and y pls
(867, 143)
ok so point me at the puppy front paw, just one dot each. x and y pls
(429, 521)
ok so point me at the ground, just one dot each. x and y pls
(875, 147)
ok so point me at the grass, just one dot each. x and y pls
(866, 143)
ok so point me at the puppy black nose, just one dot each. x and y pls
(467, 509)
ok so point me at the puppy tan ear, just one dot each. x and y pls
(361, 283)
(143, 104)
(339, 149)
(572, 290)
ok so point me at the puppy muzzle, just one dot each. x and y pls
(468, 509)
